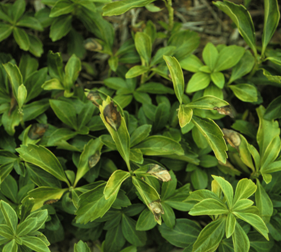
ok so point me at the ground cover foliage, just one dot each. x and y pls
(137, 141)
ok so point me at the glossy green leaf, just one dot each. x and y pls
(11, 246)
(207, 102)
(26, 226)
(143, 45)
(6, 231)
(62, 7)
(169, 216)
(5, 31)
(158, 57)
(255, 221)
(273, 110)
(210, 237)
(45, 159)
(114, 183)
(155, 88)
(21, 38)
(244, 189)
(9, 215)
(72, 69)
(35, 243)
(177, 76)
(185, 115)
(226, 188)
(140, 134)
(218, 79)
(191, 63)
(209, 207)
(197, 82)
(245, 92)
(120, 7)
(146, 221)
(211, 132)
(55, 66)
(199, 178)
(242, 204)
(81, 247)
(183, 234)
(60, 27)
(17, 9)
(210, 55)
(263, 202)
(230, 225)
(159, 145)
(22, 94)
(242, 19)
(240, 239)
(136, 71)
(226, 60)
(271, 21)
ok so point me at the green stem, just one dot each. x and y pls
(255, 68)
(170, 9)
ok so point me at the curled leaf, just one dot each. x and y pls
(112, 116)
(37, 130)
(156, 209)
(94, 97)
(159, 172)
(226, 110)
(94, 159)
(93, 45)
(232, 137)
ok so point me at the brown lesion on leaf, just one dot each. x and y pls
(94, 97)
(156, 208)
(37, 130)
(226, 110)
(159, 172)
(94, 159)
(112, 116)
(232, 137)
(50, 201)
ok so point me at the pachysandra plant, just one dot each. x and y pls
(138, 141)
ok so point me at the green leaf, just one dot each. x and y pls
(120, 7)
(30, 22)
(113, 63)
(81, 247)
(55, 66)
(159, 145)
(273, 110)
(146, 221)
(245, 92)
(137, 238)
(17, 9)
(240, 239)
(26, 226)
(209, 207)
(199, 178)
(52, 84)
(144, 46)
(243, 21)
(273, 167)
(230, 225)
(210, 55)
(120, 134)
(12, 246)
(35, 243)
(155, 88)
(45, 159)
(226, 60)
(114, 239)
(28, 66)
(5, 31)
(263, 203)
(197, 82)
(213, 135)
(140, 134)
(185, 114)
(242, 204)
(22, 94)
(60, 27)
(14, 77)
(255, 221)
(62, 7)
(136, 71)
(244, 66)
(10, 216)
(158, 57)
(265, 136)
(93, 205)
(271, 152)
(218, 79)
(7, 232)
(72, 69)
(114, 183)
(41, 217)
(65, 111)
(226, 188)
(169, 217)
(210, 237)
(271, 21)
(182, 235)
(207, 102)
(21, 38)
(244, 189)
(191, 63)
(177, 76)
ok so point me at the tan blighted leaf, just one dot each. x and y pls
(156, 209)
(94, 159)
(93, 45)
(232, 137)
(49, 202)
(159, 172)
(94, 97)
(226, 110)
(112, 116)
(37, 130)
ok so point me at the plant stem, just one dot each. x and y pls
(170, 9)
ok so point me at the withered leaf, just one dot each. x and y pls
(93, 45)
(159, 172)
(156, 209)
(94, 97)
(94, 159)
(224, 111)
(49, 202)
(112, 116)
(37, 130)
(232, 137)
